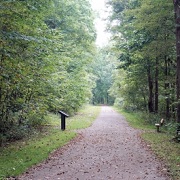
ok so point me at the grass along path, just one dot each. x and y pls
(160, 143)
(81, 120)
(19, 156)
(109, 149)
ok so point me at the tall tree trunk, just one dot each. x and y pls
(144, 95)
(167, 86)
(156, 87)
(151, 95)
(107, 98)
(177, 20)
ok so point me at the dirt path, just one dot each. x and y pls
(109, 149)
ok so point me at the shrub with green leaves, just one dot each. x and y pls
(45, 49)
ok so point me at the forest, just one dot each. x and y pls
(46, 48)
(49, 60)
(146, 43)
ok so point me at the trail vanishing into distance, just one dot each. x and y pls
(58, 55)
(109, 149)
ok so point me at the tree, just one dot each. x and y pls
(45, 49)
(102, 68)
(143, 36)
(177, 21)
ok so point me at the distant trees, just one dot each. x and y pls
(143, 32)
(45, 49)
(103, 67)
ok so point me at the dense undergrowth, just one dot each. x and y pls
(162, 143)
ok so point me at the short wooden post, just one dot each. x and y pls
(157, 126)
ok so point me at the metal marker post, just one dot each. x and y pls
(63, 120)
(63, 123)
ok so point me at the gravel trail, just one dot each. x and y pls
(109, 149)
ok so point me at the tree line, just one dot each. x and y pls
(46, 47)
(103, 67)
(144, 36)
(49, 61)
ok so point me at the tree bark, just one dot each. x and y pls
(167, 86)
(177, 21)
(107, 98)
(156, 87)
(151, 95)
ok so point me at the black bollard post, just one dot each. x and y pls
(63, 123)
(63, 120)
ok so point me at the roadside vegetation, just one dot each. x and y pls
(146, 81)
(49, 62)
(162, 144)
(18, 156)
(46, 49)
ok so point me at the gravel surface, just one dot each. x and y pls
(109, 149)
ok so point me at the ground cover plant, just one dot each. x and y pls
(16, 158)
(161, 143)
(20, 155)
(167, 150)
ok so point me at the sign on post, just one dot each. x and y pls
(63, 120)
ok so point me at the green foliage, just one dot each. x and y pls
(45, 50)
(102, 69)
(144, 43)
